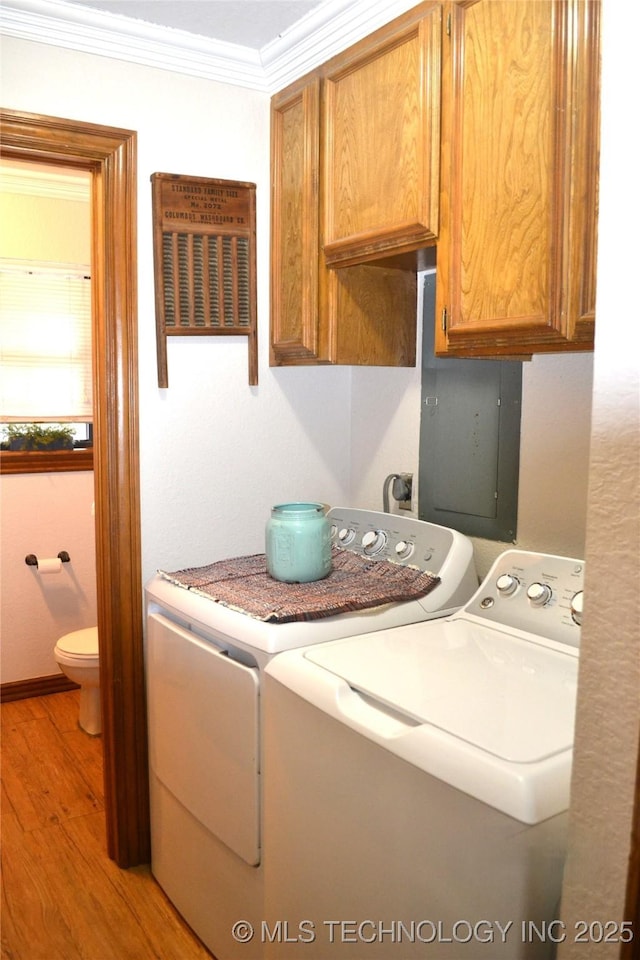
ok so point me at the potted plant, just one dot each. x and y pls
(37, 436)
(17, 436)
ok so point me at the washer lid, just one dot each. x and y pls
(503, 694)
(80, 643)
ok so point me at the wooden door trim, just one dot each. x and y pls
(110, 154)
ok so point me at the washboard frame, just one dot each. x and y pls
(204, 242)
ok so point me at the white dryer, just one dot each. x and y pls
(205, 664)
(417, 779)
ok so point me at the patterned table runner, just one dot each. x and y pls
(355, 583)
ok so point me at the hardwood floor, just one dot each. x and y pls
(62, 897)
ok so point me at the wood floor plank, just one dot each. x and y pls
(97, 921)
(136, 896)
(10, 825)
(62, 709)
(87, 751)
(15, 711)
(37, 761)
(32, 925)
(62, 897)
(14, 785)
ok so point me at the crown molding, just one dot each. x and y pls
(323, 32)
(75, 27)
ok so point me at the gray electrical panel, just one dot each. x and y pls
(469, 439)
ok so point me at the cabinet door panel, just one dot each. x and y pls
(295, 144)
(584, 77)
(381, 135)
(513, 121)
(505, 219)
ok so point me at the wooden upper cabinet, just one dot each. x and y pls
(520, 120)
(381, 136)
(354, 156)
(472, 125)
(356, 315)
(295, 250)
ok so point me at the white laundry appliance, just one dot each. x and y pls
(205, 666)
(417, 779)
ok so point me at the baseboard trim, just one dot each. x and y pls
(35, 687)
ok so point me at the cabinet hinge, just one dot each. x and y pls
(448, 28)
(444, 320)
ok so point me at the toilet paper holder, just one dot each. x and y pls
(32, 561)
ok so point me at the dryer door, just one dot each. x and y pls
(203, 733)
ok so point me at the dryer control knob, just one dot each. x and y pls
(507, 585)
(577, 602)
(346, 535)
(539, 594)
(373, 541)
(404, 549)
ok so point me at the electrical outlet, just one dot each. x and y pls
(404, 502)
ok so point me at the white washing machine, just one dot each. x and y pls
(417, 779)
(204, 668)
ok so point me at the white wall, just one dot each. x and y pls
(44, 513)
(608, 715)
(214, 452)
(554, 448)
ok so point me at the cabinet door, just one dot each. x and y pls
(584, 77)
(381, 141)
(515, 221)
(295, 159)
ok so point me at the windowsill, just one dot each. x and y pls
(45, 461)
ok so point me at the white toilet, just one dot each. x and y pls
(77, 655)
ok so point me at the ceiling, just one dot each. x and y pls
(263, 45)
(248, 23)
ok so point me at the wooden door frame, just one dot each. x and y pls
(110, 155)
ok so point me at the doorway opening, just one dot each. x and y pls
(110, 156)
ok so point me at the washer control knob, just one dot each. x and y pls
(539, 594)
(373, 541)
(507, 585)
(577, 602)
(346, 535)
(404, 549)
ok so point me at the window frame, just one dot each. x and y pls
(46, 461)
(78, 458)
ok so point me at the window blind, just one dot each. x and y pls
(45, 342)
